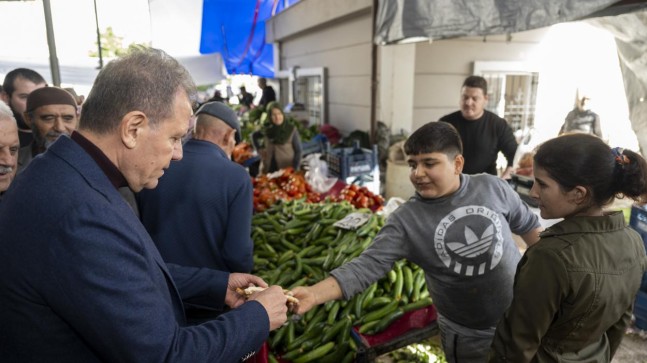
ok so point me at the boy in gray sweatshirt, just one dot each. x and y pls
(458, 228)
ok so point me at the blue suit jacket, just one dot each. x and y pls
(200, 213)
(81, 280)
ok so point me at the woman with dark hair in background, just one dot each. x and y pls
(574, 289)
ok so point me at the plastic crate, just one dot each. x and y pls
(350, 161)
(311, 147)
(638, 221)
(640, 310)
(522, 185)
(412, 327)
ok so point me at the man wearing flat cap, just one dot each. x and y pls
(201, 211)
(50, 112)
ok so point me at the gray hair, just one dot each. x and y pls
(5, 112)
(145, 79)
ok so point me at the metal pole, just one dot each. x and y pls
(373, 130)
(53, 58)
(96, 19)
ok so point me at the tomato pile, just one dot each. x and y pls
(288, 186)
(242, 152)
(360, 197)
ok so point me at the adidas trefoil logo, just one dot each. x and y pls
(473, 246)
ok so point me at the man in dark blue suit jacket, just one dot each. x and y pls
(200, 213)
(81, 279)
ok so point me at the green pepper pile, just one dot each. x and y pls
(296, 244)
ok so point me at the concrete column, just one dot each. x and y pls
(397, 71)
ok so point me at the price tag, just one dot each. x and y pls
(353, 221)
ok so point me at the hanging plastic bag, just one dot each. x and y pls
(391, 205)
(317, 174)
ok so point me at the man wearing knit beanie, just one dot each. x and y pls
(50, 113)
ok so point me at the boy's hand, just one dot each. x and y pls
(306, 297)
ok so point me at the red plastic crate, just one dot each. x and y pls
(412, 327)
(415, 319)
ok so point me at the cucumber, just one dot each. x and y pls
(365, 328)
(370, 293)
(399, 284)
(382, 312)
(318, 318)
(278, 336)
(332, 314)
(408, 280)
(334, 330)
(424, 302)
(271, 358)
(336, 356)
(358, 302)
(289, 337)
(297, 342)
(386, 321)
(349, 358)
(316, 353)
(377, 303)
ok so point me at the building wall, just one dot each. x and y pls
(396, 86)
(338, 37)
(420, 82)
(345, 51)
(417, 83)
(441, 67)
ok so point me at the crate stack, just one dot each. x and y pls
(350, 161)
(638, 222)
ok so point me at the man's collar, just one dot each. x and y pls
(112, 172)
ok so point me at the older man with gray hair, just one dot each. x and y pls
(9, 146)
(89, 285)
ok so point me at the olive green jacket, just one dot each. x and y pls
(573, 293)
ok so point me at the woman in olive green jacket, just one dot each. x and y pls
(574, 289)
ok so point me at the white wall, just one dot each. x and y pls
(441, 67)
(335, 35)
(396, 86)
(345, 51)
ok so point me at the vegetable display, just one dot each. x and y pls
(296, 244)
(360, 197)
(289, 185)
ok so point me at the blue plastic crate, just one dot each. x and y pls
(311, 147)
(638, 221)
(350, 161)
(640, 310)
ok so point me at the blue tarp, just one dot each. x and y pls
(236, 30)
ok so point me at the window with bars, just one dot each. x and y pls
(513, 97)
(512, 92)
(309, 93)
(305, 89)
